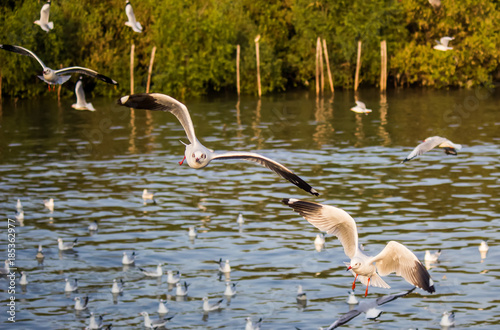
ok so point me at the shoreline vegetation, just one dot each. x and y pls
(197, 43)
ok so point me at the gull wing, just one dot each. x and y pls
(396, 257)
(428, 144)
(88, 72)
(385, 299)
(274, 166)
(44, 13)
(330, 219)
(344, 318)
(360, 104)
(445, 40)
(22, 51)
(162, 102)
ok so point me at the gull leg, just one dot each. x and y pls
(354, 283)
(182, 161)
(367, 285)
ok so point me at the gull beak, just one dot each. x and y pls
(348, 268)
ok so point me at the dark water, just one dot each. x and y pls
(95, 166)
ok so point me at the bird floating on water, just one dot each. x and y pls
(6, 268)
(253, 326)
(69, 287)
(39, 254)
(49, 204)
(196, 154)
(81, 305)
(173, 278)
(117, 286)
(156, 273)
(483, 249)
(181, 289)
(395, 257)
(450, 148)
(301, 295)
(162, 307)
(211, 306)
(23, 280)
(147, 195)
(230, 289)
(126, 260)
(132, 22)
(95, 322)
(44, 18)
(240, 219)
(361, 108)
(442, 44)
(351, 299)
(319, 242)
(81, 102)
(192, 232)
(19, 206)
(447, 320)
(66, 245)
(432, 257)
(93, 226)
(224, 267)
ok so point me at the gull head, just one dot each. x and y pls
(355, 264)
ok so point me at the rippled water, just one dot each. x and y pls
(95, 166)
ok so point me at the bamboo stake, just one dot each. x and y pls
(258, 64)
(132, 48)
(150, 70)
(358, 64)
(383, 66)
(330, 79)
(0, 84)
(317, 66)
(321, 68)
(238, 70)
(59, 88)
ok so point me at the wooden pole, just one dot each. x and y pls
(59, 88)
(258, 64)
(150, 70)
(321, 68)
(238, 70)
(317, 66)
(383, 66)
(358, 65)
(132, 48)
(0, 84)
(330, 79)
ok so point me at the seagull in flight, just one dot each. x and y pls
(430, 143)
(81, 102)
(395, 257)
(136, 26)
(44, 18)
(442, 44)
(196, 154)
(55, 77)
(361, 108)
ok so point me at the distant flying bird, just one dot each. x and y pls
(211, 306)
(81, 103)
(395, 257)
(430, 143)
(66, 245)
(132, 22)
(361, 108)
(81, 305)
(54, 77)
(448, 320)
(196, 154)
(44, 18)
(442, 44)
(253, 326)
(126, 260)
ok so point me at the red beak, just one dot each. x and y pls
(349, 268)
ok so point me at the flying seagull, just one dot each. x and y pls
(55, 77)
(361, 108)
(395, 257)
(196, 154)
(136, 26)
(81, 103)
(44, 18)
(442, 44)
(450, 148)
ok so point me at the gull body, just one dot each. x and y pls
(251, 326)
(224, 267)
(208, 306)
(93, 226)
(483, 249)
(447, 320)
(55, 77)
(39, 254)
(19, 206)
(66, 245)
(69, 287)
(442, 44)
(395, 257)
(95, 322)
(44, 18)
(23, 280)
(157, 273)
(181, 289)
(230, 289)
(240, 219)
(49, 204)
(117, 286)
(6, 268)
(351, 299)
(301, 295)
(173, 278)
(196, 154)
(432, 257)
(132, 22)
(319, 242)
(192, 232)
(81, 305)
(430, 143)
(162, 307)
(20, 216)
(81, 102)
(361, 108)
(147, 195)
(150, 324)
(126, 260)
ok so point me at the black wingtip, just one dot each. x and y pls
(314, 192)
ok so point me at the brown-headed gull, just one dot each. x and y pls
(395, 257)
(81, 305)
(54, 77)
(361, 108)
(196, 154)
(253, 326)
(447, 320)
(132, 22)
(369, 308)
(81, 102)
(442, 44)
(450, 148)
(211, 306)
(44, 18)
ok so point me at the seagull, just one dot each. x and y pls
(208, 306)
(432, 257)
(240, 219)
(54, 77)
(126, 260)
(23, 280)
(483, 249)
(450, 148)
(148, 323)
(20, 216)
(442, 44)
(5, 269)
(79, 305)
(192, 232)
(182, 289)
(147, 195)
(319, 242)
(95, 322)
(301, 295)
(157, 273)
(224, 268)
(71, 287)
(196, 154)
(49, 204)
(448, 320)
(117, 286)
(369, 308)
(395, 257)
(66, 246)
(230, 289)
(162, 307)
(361, 108)
(136, 26)
(352, 300)
(173, 278)
(251, 326)
(93, 226)
(81, 103)
(39, 254)
(19, 206)
(44, 18)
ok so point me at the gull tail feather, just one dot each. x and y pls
(50, 25)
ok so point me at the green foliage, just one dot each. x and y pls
(196, 43)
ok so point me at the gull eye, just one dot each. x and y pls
(193, 155)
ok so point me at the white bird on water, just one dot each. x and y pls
(450, 148)
(361, 108)
(251, 326)
(39, 254)
(147, 195)
(49, 204)
(181, 289)
(173, 278)
(126, 260)
(20, 217)
(192, 232)
(156, 273)
(154, 324)
(230, 289)
(54, 77)
(93, 226)
(395, 257)
(351, 299)
(483, 249)
(95, 322)
(23, 280)
(224, 267)
(448, 320)
(81, 305)
(442, 44)
(211, 306)
(162, 307)
(132, 22)
(5, 269)
(117, 286)
(81, 102)
(66, 245)
(319, 242)
(432, 257)
(240, 219)
(44, 18)
(69, 287)
(19, 206)
(301, 295)
(196, 154)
